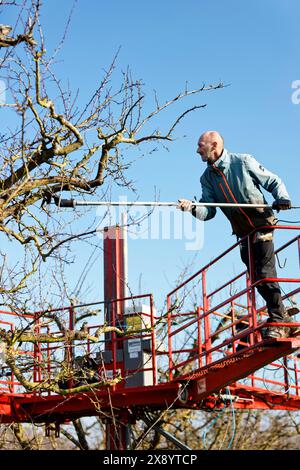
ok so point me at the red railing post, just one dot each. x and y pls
(232, 303)
(12, 385)
(153, 340)
(252, 317)
(114, 341)
(250, 314)
(48, 353)
(207, 337)
(37, 352)
(296, 375)
(199, 338)
(169, 337)
(70, 352)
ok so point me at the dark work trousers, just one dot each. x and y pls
(264, 267)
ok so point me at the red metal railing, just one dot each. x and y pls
(204, 325)
(8, 320)
(49, 358)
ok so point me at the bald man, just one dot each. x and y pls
(237, 178)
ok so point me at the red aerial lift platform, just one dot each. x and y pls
(204, 353)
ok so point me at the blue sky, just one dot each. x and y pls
(251, 46)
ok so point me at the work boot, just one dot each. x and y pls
(278, 331)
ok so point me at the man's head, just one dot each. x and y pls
(210, 146)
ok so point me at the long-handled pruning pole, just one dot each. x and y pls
(73, 203)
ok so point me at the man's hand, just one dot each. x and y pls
(281, 204)
(185, 205)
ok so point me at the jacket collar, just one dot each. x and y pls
(222, 161)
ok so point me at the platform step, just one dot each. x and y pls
(215, 376)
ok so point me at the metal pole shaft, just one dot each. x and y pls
(73, 203)
(167, 204)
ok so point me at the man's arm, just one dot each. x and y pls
(269, 181)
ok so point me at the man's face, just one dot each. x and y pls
(204, 149)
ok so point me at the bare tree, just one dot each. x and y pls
(220, 430)
(50, 149)
(56, 145)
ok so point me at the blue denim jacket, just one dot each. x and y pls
(237, 177)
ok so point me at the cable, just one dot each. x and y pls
(233, 420)
(289, 221)
(210, 426)
(279, 369)
(287, 297)
(216, 419)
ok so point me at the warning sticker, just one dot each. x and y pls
(201, 386)
(133, 355)
(134, 345)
